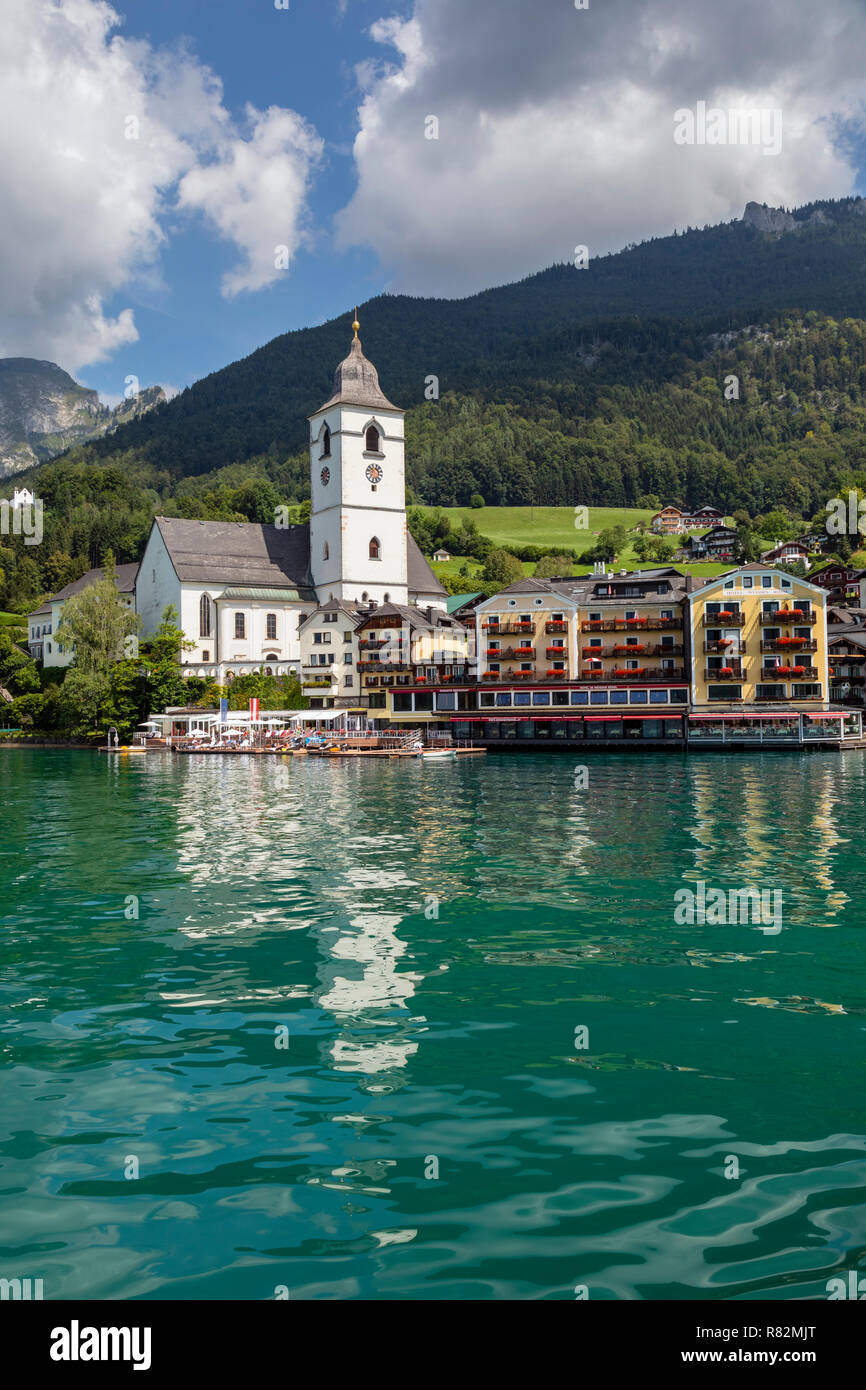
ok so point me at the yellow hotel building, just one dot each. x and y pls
(758, 638)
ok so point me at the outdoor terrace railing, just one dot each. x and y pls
(648, 624)
(790, 646)
(644, 673)
(384, 667)
(556, 626)
(788, 615)
(509, 628)
(725, 618)
(770, 673)
(732, 672)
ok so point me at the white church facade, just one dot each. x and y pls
(243, 591)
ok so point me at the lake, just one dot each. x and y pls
(384, 1030)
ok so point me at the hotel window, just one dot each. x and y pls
(525, 618)
(637, 697)
(271, 627)
(326, 447)
(630, 613)
(631, 666)
(666, 614)
(557, 617)
(805, 692)
(205, 656)
(598, 697)
(595, 617)
(559, 665)
(494, 666)
(322, 639)
(747, 581)
(240, 625)
(347, 680)
(786, 583)
(766, 581)
(204, 616)
(770, 692)
(658, 697)
(724, 692)
(347, 636)
(375, 549)
(347, 659)
(329, 618)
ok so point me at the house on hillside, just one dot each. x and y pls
(787, 552)
(674, 520)
(842, 582)
(718, 544)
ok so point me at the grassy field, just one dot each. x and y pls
(550, 526)
(508, 526)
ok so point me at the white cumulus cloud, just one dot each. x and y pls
(103, 140)
(556, 127)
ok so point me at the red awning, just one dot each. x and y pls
(835, 714)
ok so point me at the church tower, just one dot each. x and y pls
(358, 489)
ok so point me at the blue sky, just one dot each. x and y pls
(157, 156)
(303, 58)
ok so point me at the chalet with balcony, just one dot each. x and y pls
(718, 545)
(842, 582)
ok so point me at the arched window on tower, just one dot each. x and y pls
(375, 549)
(326, 554)
(372, 440)
(326, 443)
(204, 616)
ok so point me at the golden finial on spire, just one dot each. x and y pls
(356, 324)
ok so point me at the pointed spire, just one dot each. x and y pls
(356, 381)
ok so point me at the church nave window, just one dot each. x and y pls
(271, 627)
(240, 625)
(204, 616)
(326, 554)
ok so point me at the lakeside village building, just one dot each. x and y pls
(349, 604)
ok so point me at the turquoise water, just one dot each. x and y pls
(428, 939)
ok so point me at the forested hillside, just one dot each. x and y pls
(603, 386)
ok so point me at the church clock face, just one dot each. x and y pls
(373, 473)
(325, 476)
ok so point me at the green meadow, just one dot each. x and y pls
(509, 527)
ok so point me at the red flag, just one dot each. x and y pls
(254, 709)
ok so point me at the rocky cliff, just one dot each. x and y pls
(43, 411)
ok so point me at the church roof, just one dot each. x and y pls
(356, 382)
(421, 578)
(249, 555)
(245, 554)
(124, 578)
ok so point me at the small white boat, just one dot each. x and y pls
(437, 753)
